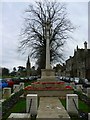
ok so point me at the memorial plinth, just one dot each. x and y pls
(56, 89)
(48, 75)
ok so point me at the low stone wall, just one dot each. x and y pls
(53, 93)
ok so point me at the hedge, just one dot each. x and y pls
(83, 97)
(7, 104)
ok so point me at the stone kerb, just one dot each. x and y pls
(88, 92)
(6, 93)
(31, 104)
(16, 88)
(72, 103)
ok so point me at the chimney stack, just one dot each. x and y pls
(85, 46)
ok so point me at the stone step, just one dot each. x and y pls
(51, 108)
(19, 116)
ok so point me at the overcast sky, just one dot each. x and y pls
(12, 14)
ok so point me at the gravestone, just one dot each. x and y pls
(72, 103)
(88, 92)
(6, 93)
(16, 88)
(21, 85)
(31, 104)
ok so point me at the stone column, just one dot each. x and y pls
(88, 92)
(16, 88)
(47, 46)
(70, 106)
(6, 93)
(31, 100)
(21, 85)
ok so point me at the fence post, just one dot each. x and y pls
(31, 104)
(88, 92)
(21, 85)
(16, 88)
(71, 105)
(6, 93)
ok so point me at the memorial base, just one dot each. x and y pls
(47, 75)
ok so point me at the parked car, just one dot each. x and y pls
(85, 83)
(71, 79)
(66, 79)
(61, 78)
(33, 78)
(10, 82)
(76, 80)
(57, 78)
(16, 80)
(3, 83)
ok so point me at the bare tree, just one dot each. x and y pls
(33, 36)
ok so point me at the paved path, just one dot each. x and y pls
(51, 107)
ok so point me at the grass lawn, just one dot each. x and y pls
(82, 106)
(20, 106)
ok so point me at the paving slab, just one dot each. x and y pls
(19, 116)
(51, 108)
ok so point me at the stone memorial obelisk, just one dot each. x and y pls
(47, 46)
(48, 74)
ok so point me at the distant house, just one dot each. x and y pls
(79, 64)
